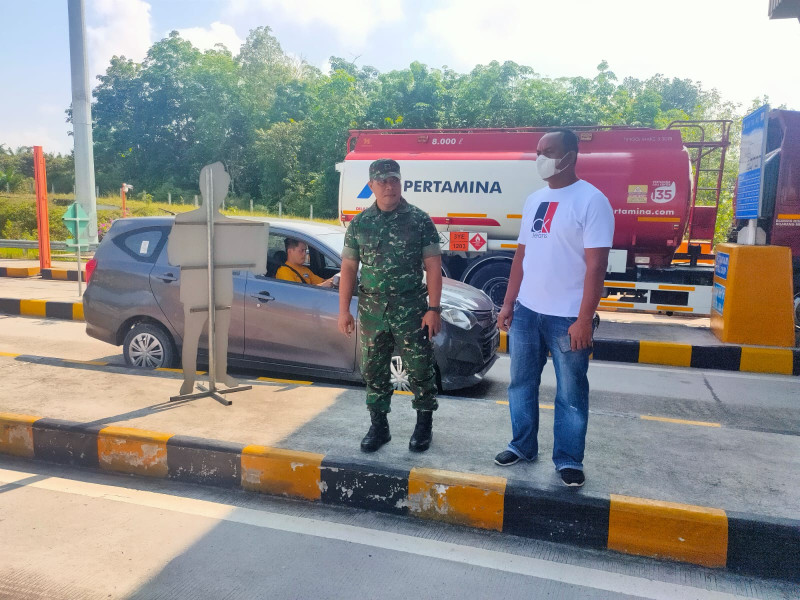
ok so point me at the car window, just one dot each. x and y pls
(276, 256)
(142, 244)
(330, 263)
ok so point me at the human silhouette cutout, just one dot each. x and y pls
(238, 244)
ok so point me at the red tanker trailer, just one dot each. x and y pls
(474, 183)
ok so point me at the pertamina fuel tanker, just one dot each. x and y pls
(474, 184)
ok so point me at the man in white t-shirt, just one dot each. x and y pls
(553, 291)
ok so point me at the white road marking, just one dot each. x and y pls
(468, 555)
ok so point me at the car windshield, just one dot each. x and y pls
(334, 241)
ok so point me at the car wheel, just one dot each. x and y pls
(399, 376)
(148, 346)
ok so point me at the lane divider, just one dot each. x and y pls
(53, 309)
(709, 536)
(19, 271)
(63, 274)
(780, 361)
(693, 534)
(752, 359)
(59, 274)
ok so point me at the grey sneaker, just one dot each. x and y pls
(506, 458)
(572, 477)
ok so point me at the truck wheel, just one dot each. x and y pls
(493, 281)
(148, 346)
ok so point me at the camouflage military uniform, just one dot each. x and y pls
(392, 299)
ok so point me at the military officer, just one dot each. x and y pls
(392, 240)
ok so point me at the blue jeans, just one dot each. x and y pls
(531, 336)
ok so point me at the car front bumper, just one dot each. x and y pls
(464, 357)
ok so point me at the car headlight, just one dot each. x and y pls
(459, 318)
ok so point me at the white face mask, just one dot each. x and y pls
(547, 166)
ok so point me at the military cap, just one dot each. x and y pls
(383, 168)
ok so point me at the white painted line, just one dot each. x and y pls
(468, 555)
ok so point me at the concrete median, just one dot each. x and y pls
(708, 536)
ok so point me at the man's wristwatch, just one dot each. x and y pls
(436, 309)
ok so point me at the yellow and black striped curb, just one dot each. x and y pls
(42, 308)
(782, 361)
(751, 544)
(752, 359)
(61, 274)
(19, 271)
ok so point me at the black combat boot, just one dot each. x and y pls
(421, 438)
(378, 433)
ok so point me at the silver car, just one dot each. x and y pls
(132, 300)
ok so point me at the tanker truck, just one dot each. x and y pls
(474, 182)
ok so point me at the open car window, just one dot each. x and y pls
(316, 260)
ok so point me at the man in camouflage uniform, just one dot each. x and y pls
(392, 239)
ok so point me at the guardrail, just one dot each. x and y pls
(34, 245)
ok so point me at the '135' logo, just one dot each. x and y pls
(663, 193)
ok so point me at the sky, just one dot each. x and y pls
(730, 45)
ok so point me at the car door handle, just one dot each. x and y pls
(263, 296)
(167, 277)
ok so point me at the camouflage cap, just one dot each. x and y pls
(383, 168)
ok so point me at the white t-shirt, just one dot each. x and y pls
(556, 227)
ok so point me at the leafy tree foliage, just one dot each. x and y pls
(16, 170)
(281, 125)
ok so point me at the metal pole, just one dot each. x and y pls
(169, 198)
(195, 199)
(280, 209)
(78, 256)
(251, 205)
(209, 198)
(311, 213)
(82, 116)
(80, 282)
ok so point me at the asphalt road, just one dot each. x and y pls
(72, 534)
(78, 534)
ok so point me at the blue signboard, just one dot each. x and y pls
(718, 301)
(721, 265)
(751, 164)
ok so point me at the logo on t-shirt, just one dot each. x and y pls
(543, 218)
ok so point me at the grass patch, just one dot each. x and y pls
(18, 216)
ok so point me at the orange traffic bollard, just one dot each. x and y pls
(42, 216)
